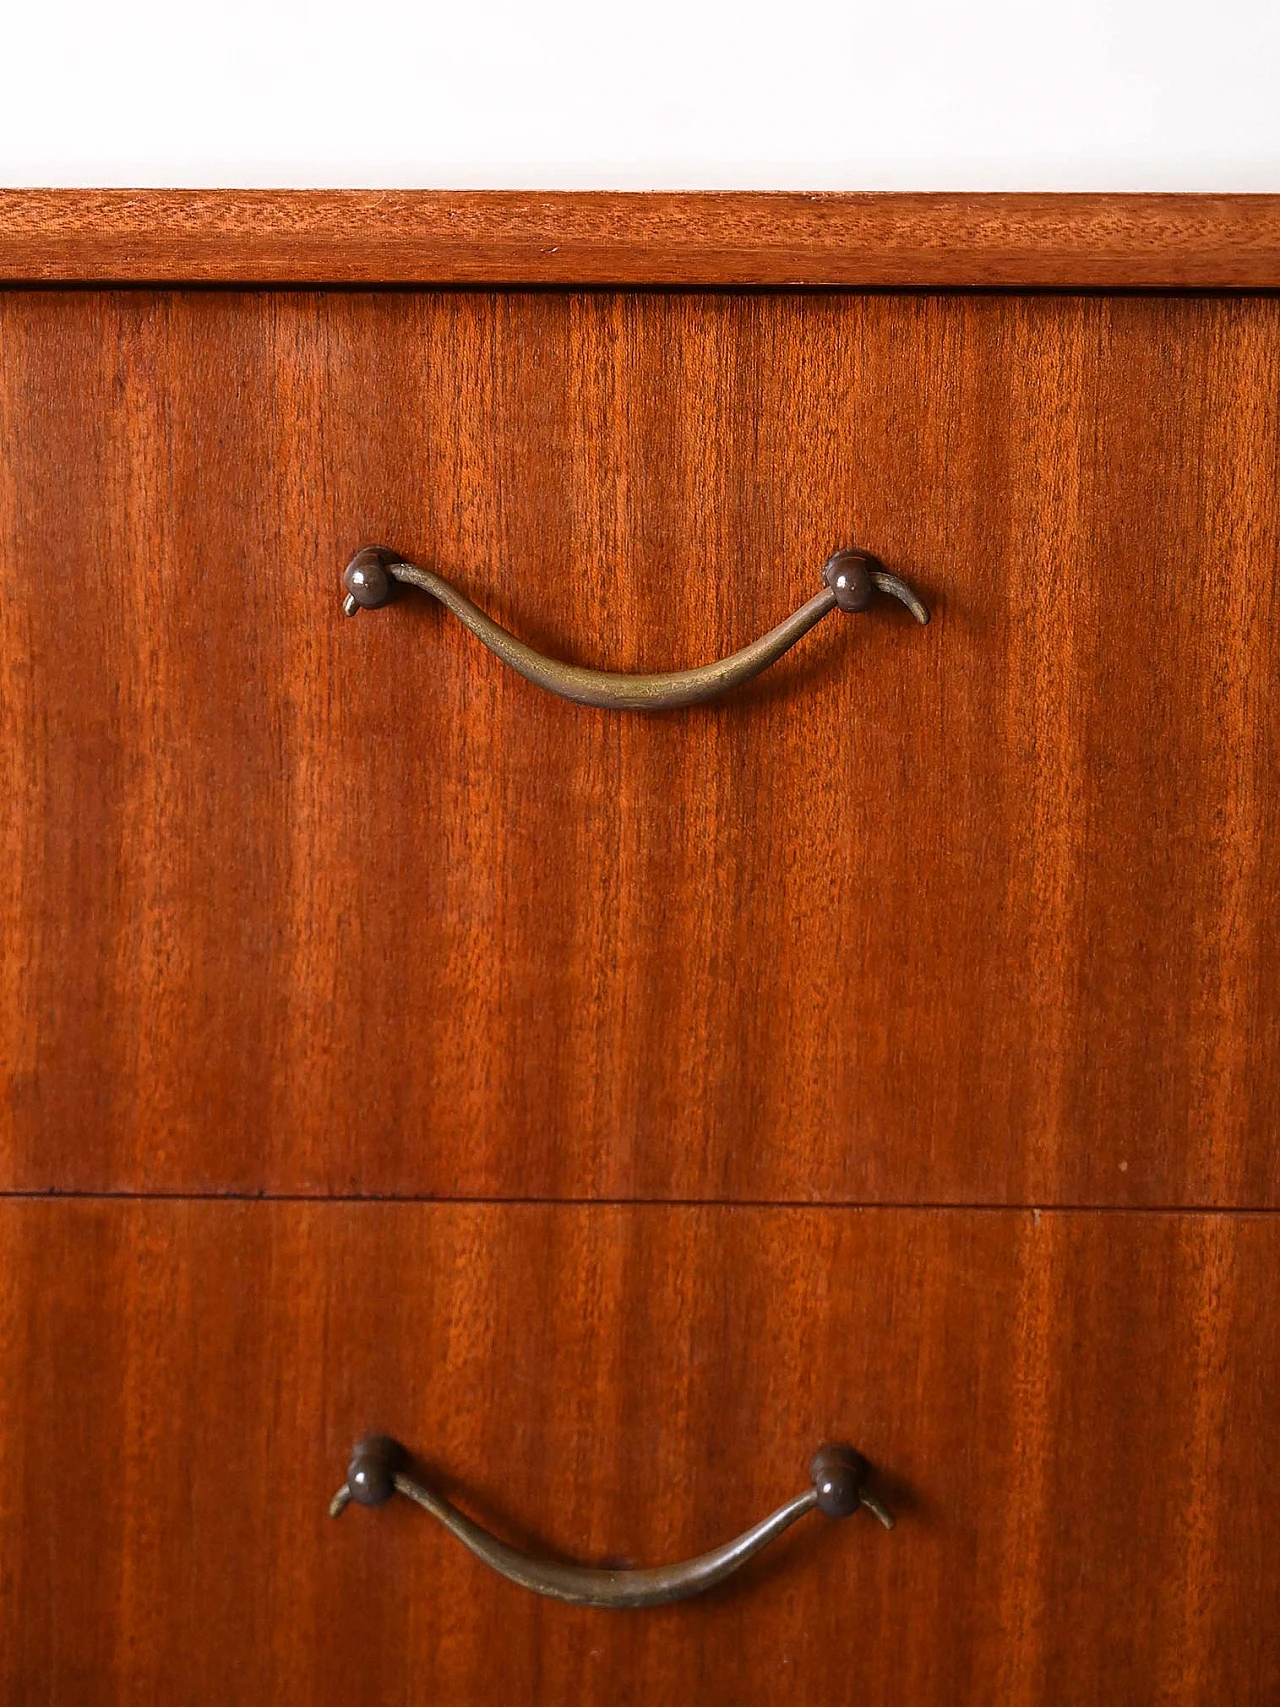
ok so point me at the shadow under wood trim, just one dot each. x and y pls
(639, 238)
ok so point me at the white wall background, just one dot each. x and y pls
(813, 94)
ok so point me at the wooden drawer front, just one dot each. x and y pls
(979, 913)
(1073, 1413)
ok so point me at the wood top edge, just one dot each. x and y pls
(716, 239)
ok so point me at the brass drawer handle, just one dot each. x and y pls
(851, 580)
(377, 1470)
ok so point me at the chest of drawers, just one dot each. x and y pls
(614, 1106)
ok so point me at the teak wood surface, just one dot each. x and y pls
(593, 237)
(979, 915)
(1073, 1414)
(985, 912)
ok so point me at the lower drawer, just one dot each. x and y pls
(1072, 1413)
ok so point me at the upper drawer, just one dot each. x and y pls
(983, 912)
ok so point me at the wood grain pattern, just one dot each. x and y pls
(1074, 1413)
(501, 237)
(979, 913)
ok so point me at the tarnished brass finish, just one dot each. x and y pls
(851, 580)
(377, 1470)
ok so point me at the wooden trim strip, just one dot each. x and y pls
(696, 239)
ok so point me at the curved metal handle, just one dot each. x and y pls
(377, 1471)
(851, 579)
